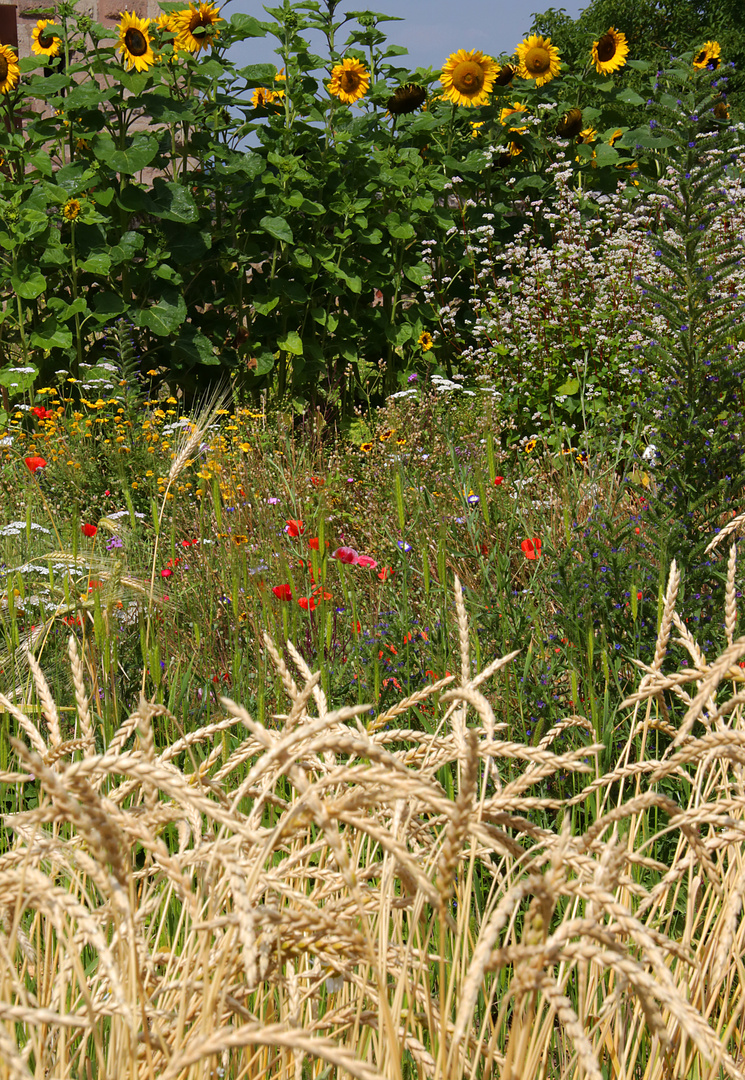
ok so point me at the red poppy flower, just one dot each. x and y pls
(498, 480)
(167, 572)
(89, 530)
(366, 562)
(283, 592)
(35, 463)
(532, 548)
(321, 593)
(345, 555)
(386, 572)
(308, 603)
(484, 549)
(295, 527)
(356, 627)
(313, 543)
(41, 413)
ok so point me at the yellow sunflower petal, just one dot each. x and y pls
(468, 77)
(539, 59)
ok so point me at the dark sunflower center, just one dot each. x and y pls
(3, 68)
(606, 48)
(713, 63)
(468, 77)
(701, 57)
(505, 76)
(538, 60)
(203, 24)
(135, 41)
(350, 81)
(46, 41)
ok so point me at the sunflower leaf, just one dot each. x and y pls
(278, 228)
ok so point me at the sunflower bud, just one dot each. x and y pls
(570, 124)
(406, 99)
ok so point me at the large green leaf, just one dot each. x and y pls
(192, 345)
(98, 263)
(29, 287)
(18, 379)
(174, 202)
(256, 74)
(136, 157)
(166, 316)
(293, 343)
(278, 228)
(50, 335)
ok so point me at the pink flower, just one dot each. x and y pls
(167, 572)
(366, 561)
(346, 555)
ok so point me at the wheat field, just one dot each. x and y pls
(320, 902)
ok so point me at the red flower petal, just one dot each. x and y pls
(295, 527)
(35, 463)
(532, 548)
(283, 592)
(89, 530)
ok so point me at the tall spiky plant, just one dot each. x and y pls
(694, 417)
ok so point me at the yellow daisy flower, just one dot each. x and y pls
(44, 44)
(468, 77)
(350, 81)
(134, 42)
(609, 52)
(539, 59)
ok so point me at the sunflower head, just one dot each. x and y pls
(42, 43)
(708, 56)
(406, 99)
(615, 137)
(196, 27)
(721, 110)
(468, 77)
(262, 97)
(609, 52)
(505, 74)
(134, 42)
(71, 210)
(10, 72)
(570, 124)
(350, 80)
(514, 112)
(539, 59)
(425, 341)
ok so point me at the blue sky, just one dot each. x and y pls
(431, 29)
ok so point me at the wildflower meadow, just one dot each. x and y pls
(372, 481)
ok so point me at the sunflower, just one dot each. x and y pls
(514, 111)
(196, 26)
(468, 77)
(539, 59)
(708, 56)
(588, 135)
(570, 124)
(425, 341)
(505, 74)
(9, 69)
(165, 22)
(406, 99)
(262, 97)
(71, 210)
(134, 42)
(44, 44)
(350, 81)
(609, 52)
(721, 110)
(617, 134)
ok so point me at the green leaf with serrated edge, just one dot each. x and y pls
(629, 97)
(278, 228)
(192, 344)
(173, 201)
(42, 162)
(108, 306)
(166, 316)
(264, 363)
(257, 74)
(264, 307)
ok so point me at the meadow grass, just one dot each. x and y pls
(412, 829)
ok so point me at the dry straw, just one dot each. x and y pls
(311, 903)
